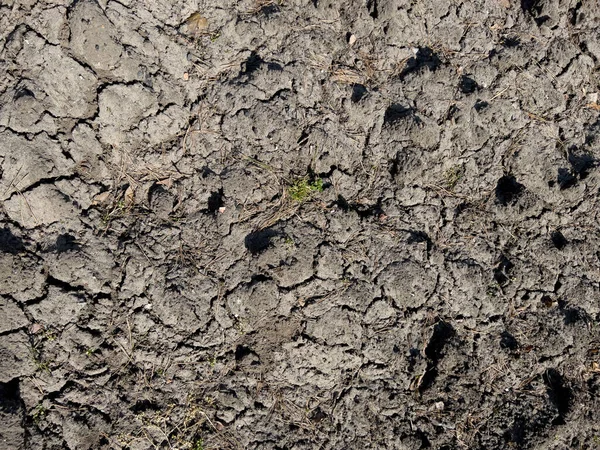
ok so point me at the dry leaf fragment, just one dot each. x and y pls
(101, 198)
(167, 182)
(129, 197)
(594, 106)
(196, 24)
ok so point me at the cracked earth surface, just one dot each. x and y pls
(299, 224)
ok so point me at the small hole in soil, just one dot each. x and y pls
(10, 397)
(480, 105)
(23, 92)
(425, 58)
(565, 178)
(258, 241)
(558, 240)
(515, 435)
(269, 10)
(541, 20)
(66, 242)
(358, 92)
(508, 341)
(581, 163)
(273, 66)
(573, 314)
(372, 7)
(508, 190)
(241, 351)
(342, 203)
(394, 165)
(252, 64)
(557, 285)
(442, 332)
(560, 395)
(259, 278)
(395, 112)
(418, 236)
(467, 85)
(9, 243)
(511, 42)
(531, 6)
(215, 201)
(502, 270)
(318, 415)
(144, 405)
(368, 211)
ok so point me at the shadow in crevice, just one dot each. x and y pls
(372, 7)
(363, 211)
(66, 243)
(559, 394)
(215, 201)
(425, 58)
(508, 190)
(9, 243)
(396, 112)
(581, 164)
(258, 241)
(502, 271)
(10, 397)
(358, 92)
(533, 7)
(442, 333)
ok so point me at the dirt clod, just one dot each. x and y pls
(299, 224)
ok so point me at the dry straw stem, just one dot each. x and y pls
(347, 76)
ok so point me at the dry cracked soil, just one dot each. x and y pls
(299, 224)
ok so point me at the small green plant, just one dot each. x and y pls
(198, 445)
(452, 176)
(289, 243)
(50, 335)
(39, 413)
(41, 364)
(89, 352)
(302, 189)
(44, 366)
(492, 290)
(212, 361)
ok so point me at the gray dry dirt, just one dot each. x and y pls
(299, 224)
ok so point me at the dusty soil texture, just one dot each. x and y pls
(299, 224)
